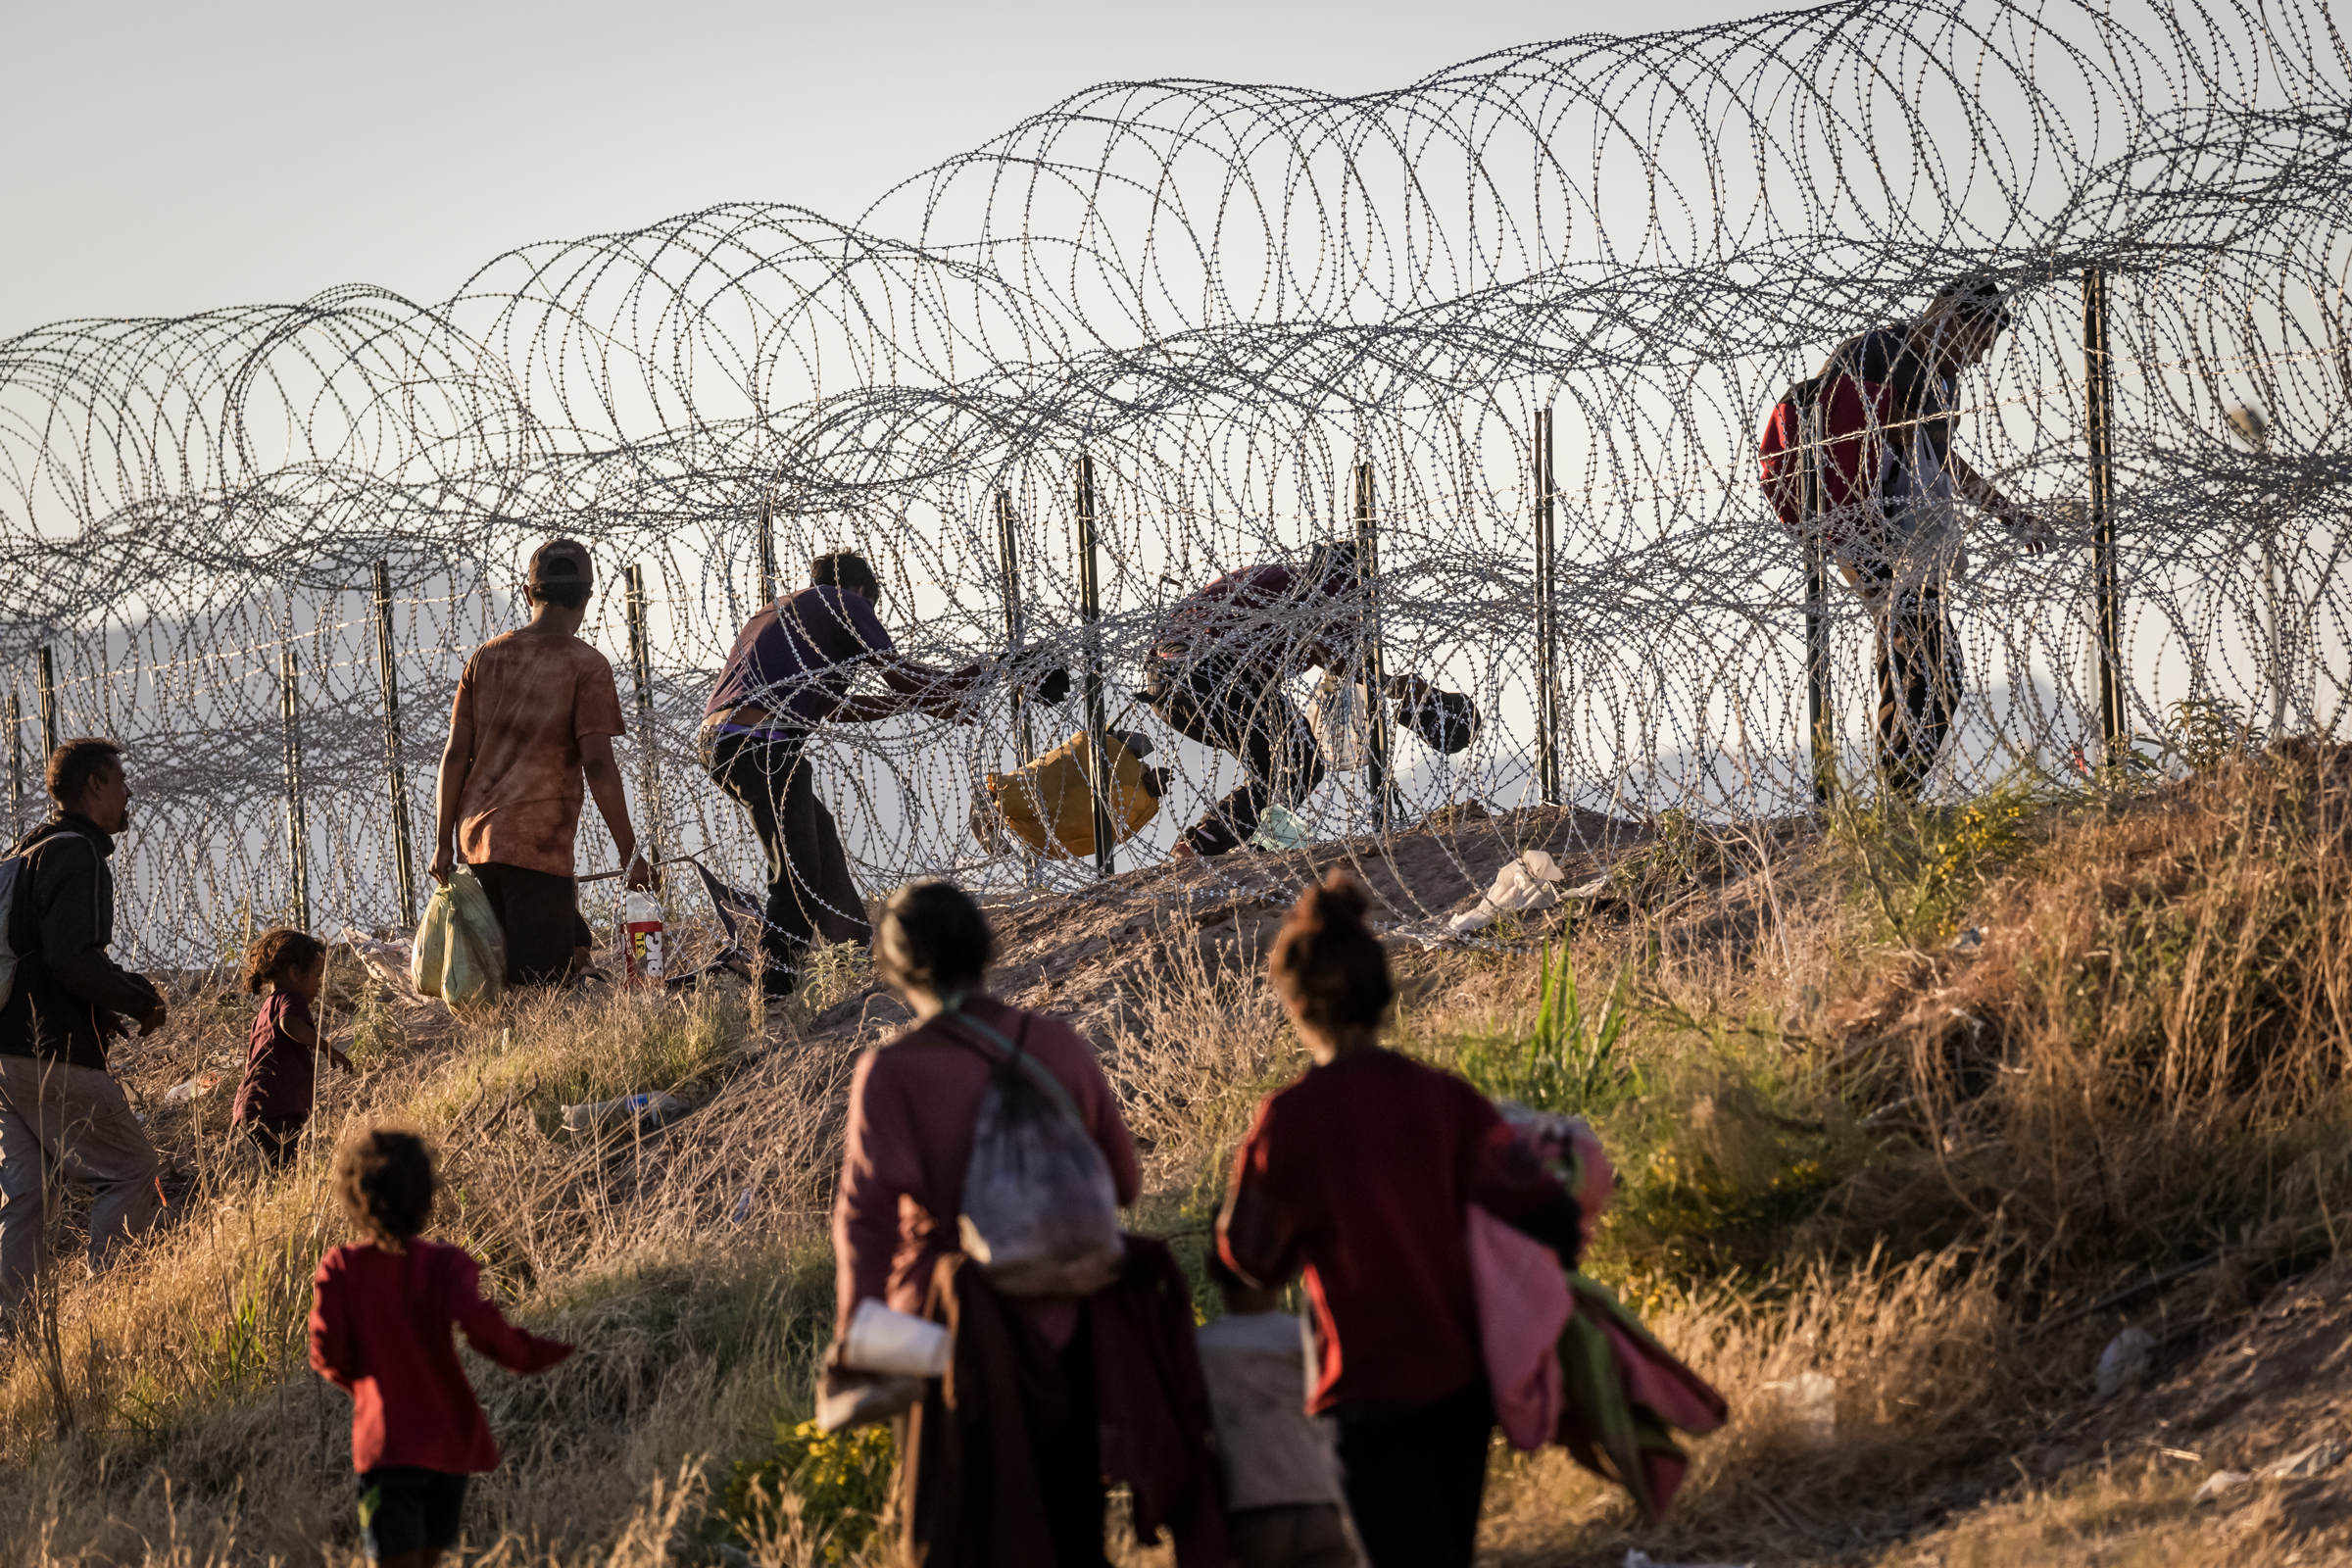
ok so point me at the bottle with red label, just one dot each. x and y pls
(641, 937)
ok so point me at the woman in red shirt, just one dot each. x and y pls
(913, 1105)
(1358, 1176)
(381, 1332)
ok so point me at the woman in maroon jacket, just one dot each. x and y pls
(913, 1105)
(1358, 1175)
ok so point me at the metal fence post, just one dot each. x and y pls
(1819, 728)
(1547, 634)
(48, 671)
(404, 856)
(16, 758)
(2098, 375)
(1367, 583)
(768, 551)
(1090, 613)
(298, 847)
(641, 664)
(1010, 552)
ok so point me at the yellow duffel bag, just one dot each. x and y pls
(1050, 804)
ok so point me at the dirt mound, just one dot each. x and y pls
(1082, 954)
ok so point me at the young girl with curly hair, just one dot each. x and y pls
(281, 1061)
(381, 1332)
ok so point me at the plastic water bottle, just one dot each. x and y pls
(641, 937)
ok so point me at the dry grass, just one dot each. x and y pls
(1849, 1149)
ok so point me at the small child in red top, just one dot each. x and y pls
(379, 1331)
(281, 1064)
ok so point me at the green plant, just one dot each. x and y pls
(1562, 1064)
(2206, 731)
(1923, 865)
(828, 1487)
(376, 1033)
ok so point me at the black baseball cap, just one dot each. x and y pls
(561, 563)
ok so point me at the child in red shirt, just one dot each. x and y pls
(379, 1331)
(281, 1061)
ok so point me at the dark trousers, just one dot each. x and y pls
(811, 892)
(1240, 709)
(539, 913)
(1920, 677)
(276, 1137)
(1414, 1479)
(1069, 1462)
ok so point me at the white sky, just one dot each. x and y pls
(170, 158)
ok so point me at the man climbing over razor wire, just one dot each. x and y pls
(789, 672)
(1891, 489)
(1216, 671)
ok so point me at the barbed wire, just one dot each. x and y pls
(1229, 300)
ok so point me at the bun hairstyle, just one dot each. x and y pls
(1327, 964)
(933, 937)
(277, 956)
(385, 1180)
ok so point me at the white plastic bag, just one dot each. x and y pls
(1040, 1211)
(1529, 882)
(1340, 717)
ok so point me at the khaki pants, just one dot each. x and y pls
(1299, 1535)
(62, 1124)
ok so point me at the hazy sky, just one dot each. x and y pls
(165, 159)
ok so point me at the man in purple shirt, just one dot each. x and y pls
(789, 672)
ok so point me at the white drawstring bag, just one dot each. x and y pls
(1041, 1214)
(1340, 717)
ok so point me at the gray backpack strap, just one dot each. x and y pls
(1012, 1052)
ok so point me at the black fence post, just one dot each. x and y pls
(1367, 583)
(298, 847)
(387, 668)
(641, 664)
(1090, 613)
(768, 551)
(16, 756)
(1820, 724)
(1547, 632)
(47, 665)
(2098, 375)
(1008, 550)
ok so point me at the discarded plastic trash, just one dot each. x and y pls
(1637, 1558)
(641, 937)
(1808, 1403)
(2221, 1484)
(893, 1344)
(200, 1084)
(743, 1208)
(1527, 883)
(2125, 1360)
(1279, 829)
(2317, 1459)
(645, 1111)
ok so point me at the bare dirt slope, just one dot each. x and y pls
(1084, 955)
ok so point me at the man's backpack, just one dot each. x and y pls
(12, 876)
(1790, 474)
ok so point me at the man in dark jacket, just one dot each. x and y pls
(62, 1118)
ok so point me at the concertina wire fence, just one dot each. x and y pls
(229, 538)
